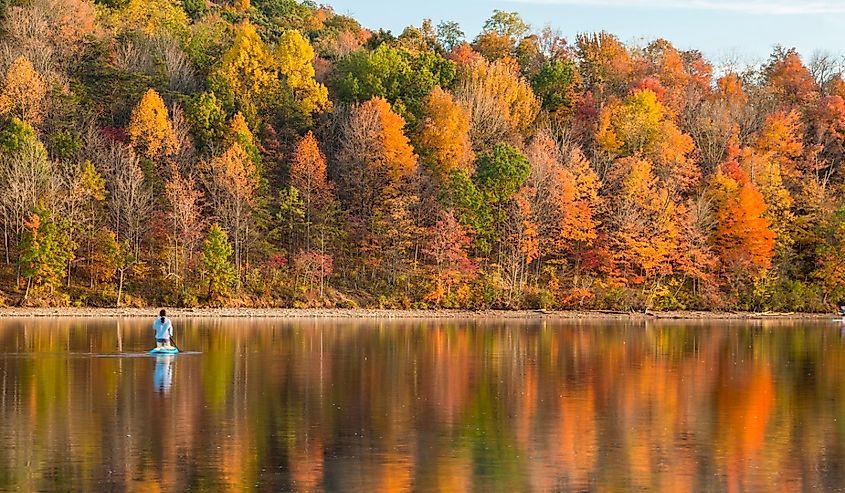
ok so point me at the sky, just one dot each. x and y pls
(739, 30)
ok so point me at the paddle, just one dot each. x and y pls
(174, 344)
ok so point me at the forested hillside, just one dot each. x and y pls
(275, 153)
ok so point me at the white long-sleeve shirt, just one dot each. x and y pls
(164, 330)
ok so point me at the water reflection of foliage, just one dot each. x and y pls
(446, 406)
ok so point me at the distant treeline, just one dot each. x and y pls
(274, 153)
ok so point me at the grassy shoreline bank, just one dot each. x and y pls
(285, 313)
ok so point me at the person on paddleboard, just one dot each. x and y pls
(164, 331)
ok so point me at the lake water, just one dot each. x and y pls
(272, 405)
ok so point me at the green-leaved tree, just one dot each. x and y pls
(216, 253)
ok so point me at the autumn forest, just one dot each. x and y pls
(276, 153)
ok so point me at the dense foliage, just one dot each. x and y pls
(275, 153)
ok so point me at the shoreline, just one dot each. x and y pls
(360, 313)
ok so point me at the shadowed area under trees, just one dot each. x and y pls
(277, 153)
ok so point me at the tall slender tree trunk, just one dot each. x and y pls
(6, 242)
(120, 286)
(308, 223)
(322, 262)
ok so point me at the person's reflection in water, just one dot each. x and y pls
(163, 374)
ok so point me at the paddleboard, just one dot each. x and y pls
(164, 351)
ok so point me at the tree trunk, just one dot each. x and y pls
(6, 242)
(120, 287)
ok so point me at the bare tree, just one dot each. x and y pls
(178, 69)
(489, 122)
(24, 180)
(711, 125)
(130, 200)
(186, 154)
(231, 182)
(185, 219)
(129, 55)
(824, 66)
(360, 129)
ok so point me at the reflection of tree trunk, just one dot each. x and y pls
(246, 248)
(91, 247)
(119, 339)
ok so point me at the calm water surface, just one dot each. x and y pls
(427, 406)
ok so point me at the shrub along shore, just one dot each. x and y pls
(362, 314)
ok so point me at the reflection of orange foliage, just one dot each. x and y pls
(679, 477)
(147, 485)
(576, 443)
(306, 465)
(525, 420)
(639, 457)
(450, 372)
(236, 463)
(745, 403)
(397, 474)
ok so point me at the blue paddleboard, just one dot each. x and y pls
(164, 351)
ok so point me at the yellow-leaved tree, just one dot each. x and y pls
(640, 125)
(153, 17)
(248, 74)
(150, 129)
(501, 104)
(294, 55)
(443, 137)
(239, 132)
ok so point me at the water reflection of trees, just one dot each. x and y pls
(446, 406)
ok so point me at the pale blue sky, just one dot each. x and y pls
(719, 28)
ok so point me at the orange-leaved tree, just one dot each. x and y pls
(606, 65)
(643, 232)
(563, 191)
(781, 137)
(23, 94)
(743, 238)
(374, 157)
(789, 80)
(308, 176)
